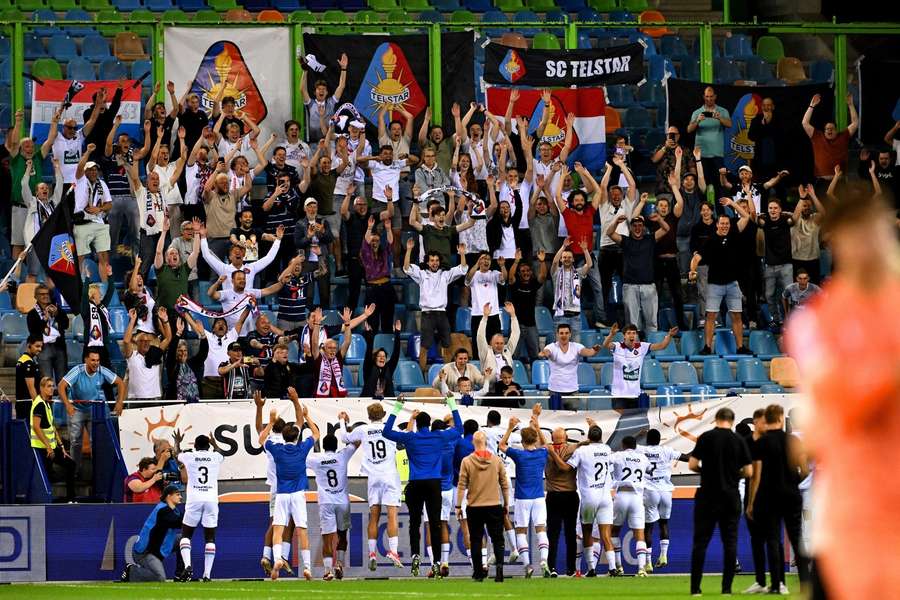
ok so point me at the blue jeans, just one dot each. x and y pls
(574, 324)
(777, 277)
(78, 422)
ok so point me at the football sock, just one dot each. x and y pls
(373, 544)
(209, 556)
(393, 543)
(664, 549)
(445, 553)
(185, 547)
(543, 545)
(610, 560)
(327, 562)
(641, 548)
(649, 552)
(276, 553)
(430, 554)
(510, 541)
(579, 553)
(286, 551)
(340, 557)
(597, 551)
(304, 555)
(267, 552)
(617, 547)
(522, 546)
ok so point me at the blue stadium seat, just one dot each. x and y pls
(5, 48)
(682, 373)
(13, 328)
(771, 388)
(195, 5)
(763, 345)
(692, 344)
(738, 46)
(726, 70)
(571, 6)
(408, 376)
(584, 40)
(5, 72)
(526, 16)
(606, 375)
(540, 374)
(431, 16)
(659, 67)
(357, 350)
(45, 15)
(599, 400)
(520, 376)
(673, 47)
(494, 16)
(34, 47)
(95, 48)
(62, 47)
(349, 381)
(620, 96)
(821, 71)
(118, 320)
(759, 70)
(690, 68)
(446, 6)
(717, 372)
(478, 5)
(666, 395)
(649, 45)
(587, 379)
(652, 374)
(76, 14)
(139, 68)
(702, 392)
(160, 5)
(111, 69)
(669, 353)
(432, 372)
(464, 321)
(588, 338)
(751, 372)
(637, 117)
(127, 5)
(294, 354)
(80, 69)
(544, 321)
(725, 345)
(76, 328)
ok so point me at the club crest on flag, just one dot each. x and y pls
(223, 66)
(739, 147)
(389, 84)
(555, 131)
(62, 254)
(512, 68)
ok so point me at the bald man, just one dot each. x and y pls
(562, 504)
(220, 203)
(483, 482)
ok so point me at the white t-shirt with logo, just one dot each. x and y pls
(218, 351)
(658, 475)
(592, 464)
(68, 153)
(630, 469)
(564, 367)
(484, 291)
(143, 381)
(345, 177)
(627, 363)
(151, 211)
(295, 153)
(203, 475)
(330, 469)
(386, 175)
(378, 453)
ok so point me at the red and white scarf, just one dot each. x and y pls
(330, 369)
(185, 303)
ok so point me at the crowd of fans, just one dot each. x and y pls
(478, 213)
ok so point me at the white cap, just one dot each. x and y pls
(745, 168)
(90, 165)
(309, 201)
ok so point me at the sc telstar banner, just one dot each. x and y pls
(562, 68)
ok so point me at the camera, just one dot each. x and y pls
(171, 477)
(142, 312)
(708, 114)
(671, 136)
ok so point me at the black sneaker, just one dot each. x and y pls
(613, 573)
(126, 574)
(186, 575)
(706, 350)
(414, 568)
(206, 580)
(744, 350)
(591, 573)
(553, 574)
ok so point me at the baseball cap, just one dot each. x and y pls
(235, 347)
(172, 488)
(637, 219)
(309, 201)
(90, 165)
(745, 168)
(358, 124)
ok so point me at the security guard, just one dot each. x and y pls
(45, 436)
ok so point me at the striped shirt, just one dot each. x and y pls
(283, 212)
(115, 177)
(292, 301)
(264, 354)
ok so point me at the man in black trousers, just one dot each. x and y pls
(779, 465)
(562, 503)
(722, 459)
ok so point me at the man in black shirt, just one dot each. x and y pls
(28, 375)
(357, 224)
(522, 292)
(722, 459)
(281, 375)
(779, 464)
(779, 271)
(192, 118)
(104, 123)
(750, 278)
(638, 280)
(722, 255)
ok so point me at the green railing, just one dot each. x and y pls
(705, 30)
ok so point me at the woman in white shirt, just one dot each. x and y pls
(563, 356)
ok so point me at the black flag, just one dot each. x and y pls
(55, 249)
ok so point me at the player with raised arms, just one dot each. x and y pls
(202, 506)
(658, 494)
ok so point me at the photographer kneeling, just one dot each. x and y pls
(158, 537)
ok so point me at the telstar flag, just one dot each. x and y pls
(55, 249)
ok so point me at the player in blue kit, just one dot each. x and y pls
(447, 499)
(291, 485)
(530, 504)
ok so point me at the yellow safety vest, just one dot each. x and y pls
(49, 431)
(402, 461)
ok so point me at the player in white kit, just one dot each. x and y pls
(629, 469)
(379, 464)
(275, 436)
(495, 432)
(658, 495)
(330, 470)
(202, 506)
(592, 463)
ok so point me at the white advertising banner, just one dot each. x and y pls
(252, 64)
(232, 424)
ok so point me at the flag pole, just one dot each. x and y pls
(16, 264)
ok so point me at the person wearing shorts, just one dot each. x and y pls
(330, 469)
(202, 507)
(658, 494)
(629, 467)
(291, 482)
(723, 256)
(433, 282)
(92, 203)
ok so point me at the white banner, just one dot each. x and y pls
(232, 424)
(252, 64)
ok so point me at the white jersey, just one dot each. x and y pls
(592, 464)
(330, 469)
(379, 454)
(659, 474)
(627, 363)
(630, 469)
(203, 474)
(271, 478)
(494, 434)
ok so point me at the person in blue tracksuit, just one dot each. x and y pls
(424, 448)
(157, 538)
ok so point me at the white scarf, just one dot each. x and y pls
(95, 329)
(568, 291)
(51, 333)
(330, 368)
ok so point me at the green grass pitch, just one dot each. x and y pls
(658, 586)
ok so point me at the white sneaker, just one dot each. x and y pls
(756, 589)
(513, 556)
(783, 589)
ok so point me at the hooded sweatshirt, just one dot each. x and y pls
(484, 476)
